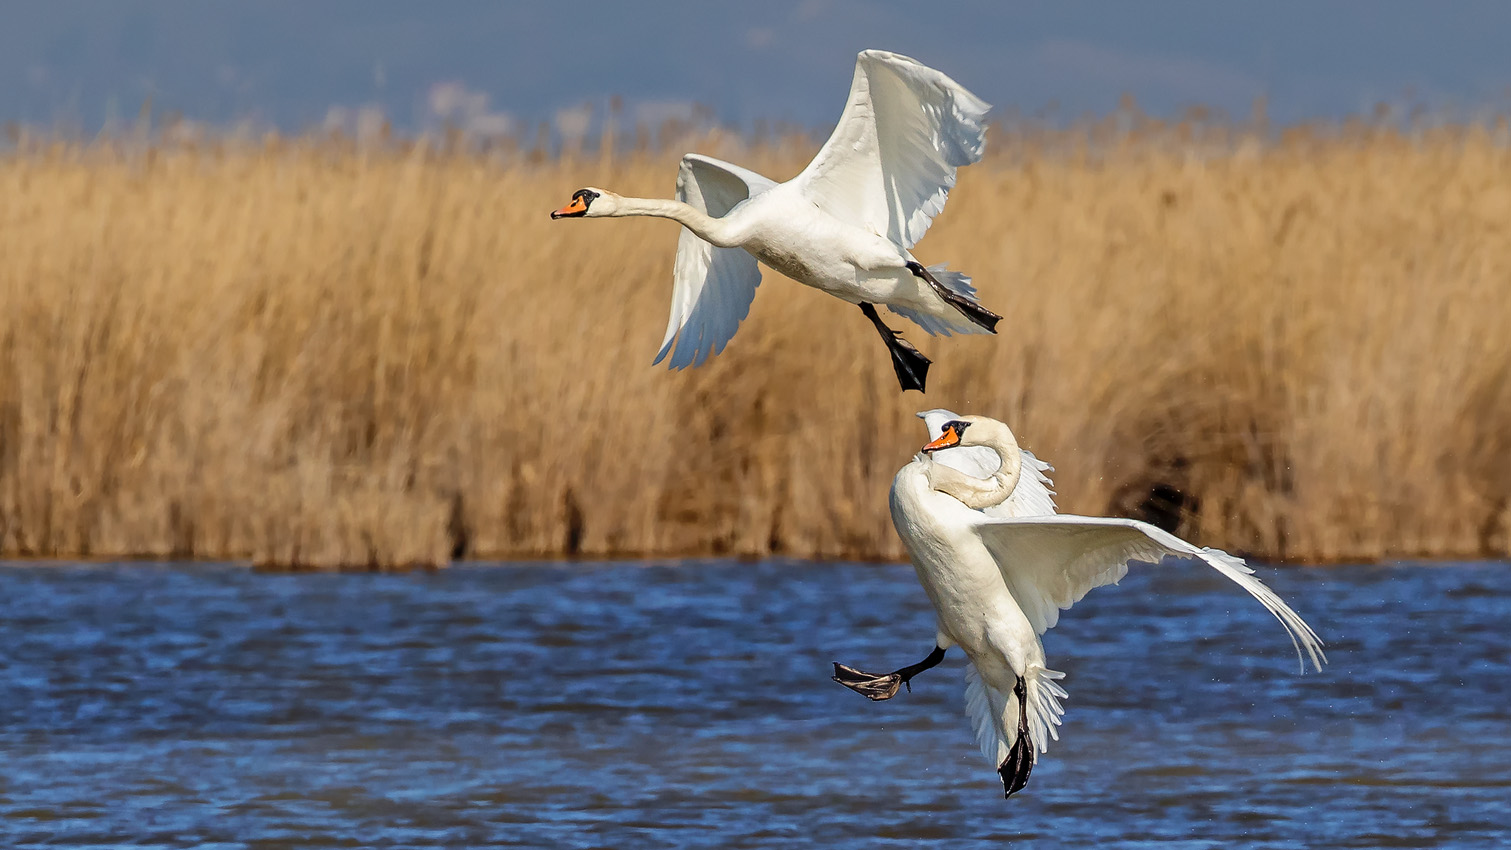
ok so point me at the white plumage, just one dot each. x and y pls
(712, 287)
(845, 225)
(999, 565)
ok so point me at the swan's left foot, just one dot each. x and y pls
(1015, 768)
(968, 307)
(874, 687)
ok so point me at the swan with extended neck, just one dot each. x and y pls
(846, 225)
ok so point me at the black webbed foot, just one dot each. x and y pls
(911, 366)
(874, 687)
(868, 685)
(1019, 763)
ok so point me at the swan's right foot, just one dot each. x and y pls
(911, 366)
(1015, 768)
(868, 685)
(874, 687)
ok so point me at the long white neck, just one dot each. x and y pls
(713, 230)
(979, 493)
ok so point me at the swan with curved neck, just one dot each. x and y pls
(846, 225)
(999, 565)
(592, 202)
(973, 492)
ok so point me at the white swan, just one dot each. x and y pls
(999, 564)
(845, 225)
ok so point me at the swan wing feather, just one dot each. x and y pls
(712, 287)
(1032, 495)
(1050, 562)
(891, 161)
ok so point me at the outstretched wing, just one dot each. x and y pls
(712, 287)
(1051, 562)
(1031, 497)
(891, 161)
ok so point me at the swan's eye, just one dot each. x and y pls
(587, 196)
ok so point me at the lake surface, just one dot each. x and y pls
(689, 705)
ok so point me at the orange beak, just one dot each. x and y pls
(946, 440)
(576, 208)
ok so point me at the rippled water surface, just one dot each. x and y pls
(689, 705)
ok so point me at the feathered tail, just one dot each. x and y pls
(1012, 728)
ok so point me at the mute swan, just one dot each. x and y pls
(845, 225)
(999, 564)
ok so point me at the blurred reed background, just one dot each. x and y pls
(308, 352)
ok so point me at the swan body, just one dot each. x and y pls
(846, 225)
(998, 565)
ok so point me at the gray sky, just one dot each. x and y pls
(515, 64)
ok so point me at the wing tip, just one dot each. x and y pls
(885, 56)
(666, 348)
(1303, 637)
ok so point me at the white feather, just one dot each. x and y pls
(1051, 562)
(711, 287)
(891, 161)
(986, 707)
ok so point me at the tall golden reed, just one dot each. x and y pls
(308, 353)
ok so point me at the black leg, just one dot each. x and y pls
(911, 366)
(884, 687)
(1015, 768)
(969, 308)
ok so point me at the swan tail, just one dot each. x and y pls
(956, 282)
(1028, 714)
(986, 706)
(1012, 727)
(1043, 694)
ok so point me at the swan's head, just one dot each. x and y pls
(976, 459)
(967, 431)
(588, 203)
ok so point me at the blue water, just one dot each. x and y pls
(690, 705)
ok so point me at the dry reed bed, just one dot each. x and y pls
(303, 353)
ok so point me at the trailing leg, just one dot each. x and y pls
(967, 306)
